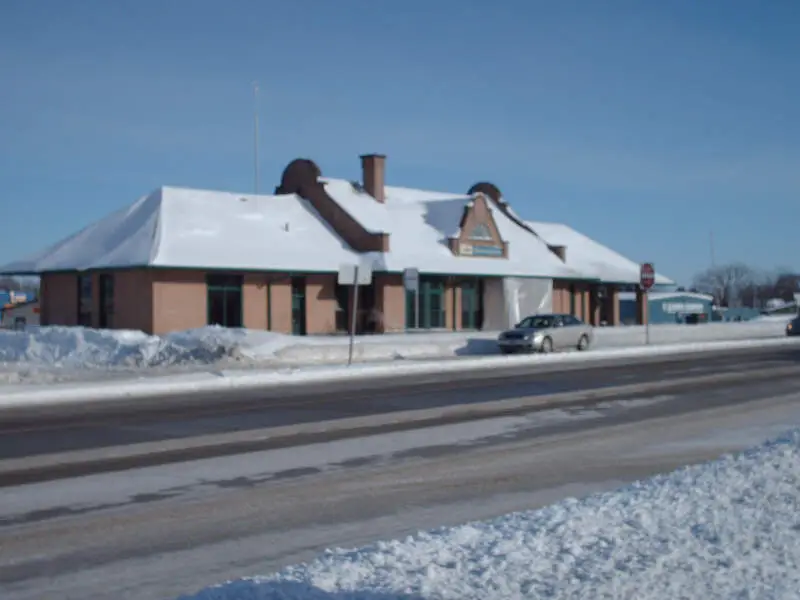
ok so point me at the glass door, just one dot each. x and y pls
(434, 304)
(469, 305)
(432, 309)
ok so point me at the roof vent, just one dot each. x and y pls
(357, 187)
(286, 226)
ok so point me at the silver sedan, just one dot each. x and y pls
(546, 333)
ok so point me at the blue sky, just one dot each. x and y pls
(642, 124)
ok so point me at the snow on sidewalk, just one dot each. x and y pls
(725, 529)
(221, 380)
(54, 353)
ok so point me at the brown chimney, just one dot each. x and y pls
(559, 251)
(373, 169)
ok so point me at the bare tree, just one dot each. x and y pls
(726, 282)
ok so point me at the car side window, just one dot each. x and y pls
(558, 321)
(570, 320)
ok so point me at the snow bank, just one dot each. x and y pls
(91, 348)
(783, 319)
(726, 529)
(75, 347)
(221, 380)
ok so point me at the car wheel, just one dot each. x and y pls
(505, 351)
(547, 346)
(583, 343)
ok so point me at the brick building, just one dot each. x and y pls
(183, 258)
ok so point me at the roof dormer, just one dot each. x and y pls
(478, 235)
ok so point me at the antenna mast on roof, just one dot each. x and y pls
(255, 137)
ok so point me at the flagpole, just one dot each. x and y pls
(255, 137)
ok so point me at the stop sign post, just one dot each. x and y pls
(647, 278)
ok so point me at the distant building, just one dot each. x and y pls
(183, 258)
(20, 315)
(669, 307)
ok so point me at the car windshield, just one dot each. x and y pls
(536, 323)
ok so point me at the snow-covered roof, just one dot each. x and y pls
(591, 257)
(419, 224)
(186, 228)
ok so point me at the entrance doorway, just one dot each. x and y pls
(431, 304)
(471, 304)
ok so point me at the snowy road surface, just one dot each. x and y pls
(157, 532)
(176, 417)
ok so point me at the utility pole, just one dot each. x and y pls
(255, 137)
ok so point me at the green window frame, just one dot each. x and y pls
(225, 300)
(470, 304)
(432, 309)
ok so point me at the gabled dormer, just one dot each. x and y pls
(478, 235)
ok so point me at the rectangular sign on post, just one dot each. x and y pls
(647, 278)
(411, 283)
(355, 275)
(411, 279)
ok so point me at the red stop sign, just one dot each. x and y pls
(647, 275)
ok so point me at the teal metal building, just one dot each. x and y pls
(668, 308)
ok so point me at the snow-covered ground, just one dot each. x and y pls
(725, 529)
(71, 353)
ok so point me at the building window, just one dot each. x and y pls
(572, 303)
(85, 300)
(106, 283)
(432, 310)
(224, 300)
(481, 233)
(298, 306)
(470, 305)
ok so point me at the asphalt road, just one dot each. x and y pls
(157, 532)
(101, 425)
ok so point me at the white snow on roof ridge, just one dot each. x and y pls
(355, 201)
(273, 233)
(123, 238)
(420, 223)
(194, 228)
(588, 255)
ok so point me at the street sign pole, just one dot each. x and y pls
(353, 317)
(647, 277)
(416, 308)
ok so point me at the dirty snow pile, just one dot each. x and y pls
(726, 529)
(78, 347)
